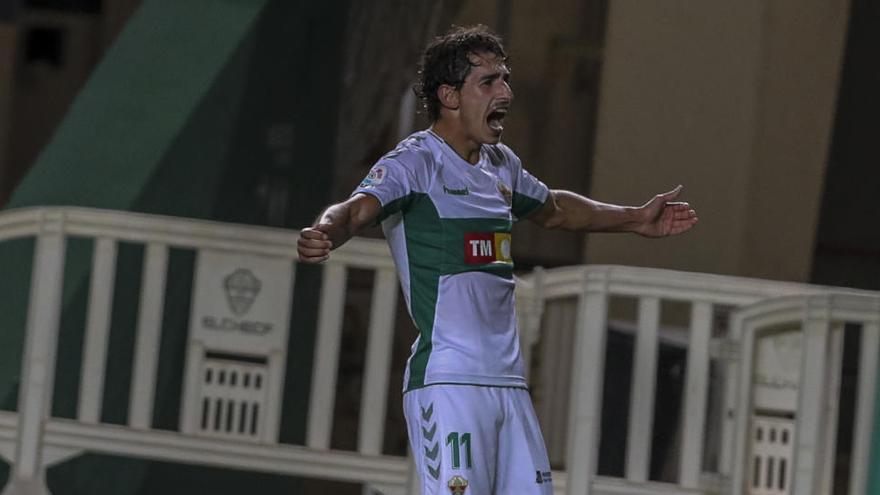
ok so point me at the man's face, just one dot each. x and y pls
(484, 98)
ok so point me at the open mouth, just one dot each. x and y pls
(495, 120)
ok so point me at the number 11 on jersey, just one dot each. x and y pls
(456, 442)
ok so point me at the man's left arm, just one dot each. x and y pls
(660, 217)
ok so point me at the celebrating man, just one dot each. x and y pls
(447, 198)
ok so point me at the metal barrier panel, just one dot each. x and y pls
(233, 396)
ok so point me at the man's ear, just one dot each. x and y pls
(448, 96)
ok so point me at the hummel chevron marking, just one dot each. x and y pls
(426, 415)
(434, 472)
(429, 434)
(432, 454)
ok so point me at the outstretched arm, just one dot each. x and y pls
(335, 226)
(661, 216)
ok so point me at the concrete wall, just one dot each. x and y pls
(733, 99)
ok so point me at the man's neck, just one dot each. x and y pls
(467, 149)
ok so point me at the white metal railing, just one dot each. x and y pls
(815, 425)
(32, 440)
(758, 302)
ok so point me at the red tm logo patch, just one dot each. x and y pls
(481, 248)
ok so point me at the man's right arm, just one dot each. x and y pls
(336, 225)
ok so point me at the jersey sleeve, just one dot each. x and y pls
(391, 183)
(529, 193)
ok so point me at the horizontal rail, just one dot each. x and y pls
(671, 285)
(290, 460)
(181, 232)
(605, 485)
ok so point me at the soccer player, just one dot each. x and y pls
(446, 198)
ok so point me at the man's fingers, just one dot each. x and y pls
(313, 246)
(314, 243)
(680, 210)
(313, 259)
(313, 251)
(683, 213)
(310, 233)
(669, 196)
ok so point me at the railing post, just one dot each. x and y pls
(38, 367)
(696, 388)
(809, 453)
(149, 333)
(641, 410)
(866, 395)
(739, 402)
(97, 331)
(380, 341)
(585, 409)
(323, 390)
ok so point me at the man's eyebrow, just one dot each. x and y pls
(495, 75)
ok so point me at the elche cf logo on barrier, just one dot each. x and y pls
(240, 302)
(242, 288)
(482, 248)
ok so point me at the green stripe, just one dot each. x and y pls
(423, 231)
(395, 206)
(524, 205)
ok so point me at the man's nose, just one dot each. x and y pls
(506, 90)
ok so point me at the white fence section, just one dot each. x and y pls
(758, 306)
(815, 424)
(212, 433)
(217, 435)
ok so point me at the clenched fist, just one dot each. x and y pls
(313, 245)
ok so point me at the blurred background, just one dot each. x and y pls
(262, 112)
(764, 111)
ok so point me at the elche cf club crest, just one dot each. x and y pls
(505, 192)
(457, 485)
(242, 287)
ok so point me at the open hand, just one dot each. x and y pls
(663, 216)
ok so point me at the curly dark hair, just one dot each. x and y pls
(446, 60)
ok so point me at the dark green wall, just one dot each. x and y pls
(211, 109)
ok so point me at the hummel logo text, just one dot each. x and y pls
(458, 192)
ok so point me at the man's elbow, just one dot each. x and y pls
(363, 213)
(552, 220)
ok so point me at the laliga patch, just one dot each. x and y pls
(375, 177)
(481, 248)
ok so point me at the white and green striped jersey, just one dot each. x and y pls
(448, 224)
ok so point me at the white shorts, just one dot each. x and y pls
(476, 440)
